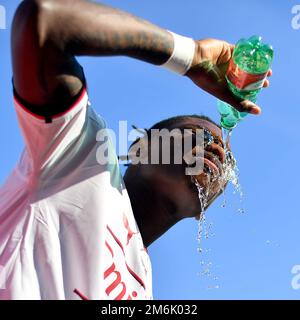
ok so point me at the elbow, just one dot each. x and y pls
(31, 20)
(35, 7)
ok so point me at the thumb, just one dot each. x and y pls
(239, 104)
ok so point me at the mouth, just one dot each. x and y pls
(213, 162)
(213, 168)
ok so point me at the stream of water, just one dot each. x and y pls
(231, 175)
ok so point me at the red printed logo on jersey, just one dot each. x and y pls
(130, 233)
(117, 287)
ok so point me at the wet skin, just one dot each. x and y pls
(162, 195)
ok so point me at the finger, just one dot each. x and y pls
(213, 82)
(222, 52)
(242, 106)
(250, 107)
(266, 84)
(270, 72)
(239, 104)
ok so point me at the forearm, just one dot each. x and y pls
(83, 28)
(48, 34)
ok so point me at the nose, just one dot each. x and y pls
(217, 150)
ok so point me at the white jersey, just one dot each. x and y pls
(67, 230)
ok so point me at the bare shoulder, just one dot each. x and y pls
(43, 74)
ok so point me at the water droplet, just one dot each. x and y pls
(213, 287)
(241, 210)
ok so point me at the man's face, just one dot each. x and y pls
(211, 175)
(172, 180)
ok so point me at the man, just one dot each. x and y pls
(67, 229)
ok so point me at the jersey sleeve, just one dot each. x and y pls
(47, 143)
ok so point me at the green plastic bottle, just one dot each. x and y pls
(247, 70)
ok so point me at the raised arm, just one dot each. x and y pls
(48, 34)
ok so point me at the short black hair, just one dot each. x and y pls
(169, 122)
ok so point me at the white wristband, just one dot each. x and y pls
(182, 56)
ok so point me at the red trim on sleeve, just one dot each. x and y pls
(83, 93)
(82, 296)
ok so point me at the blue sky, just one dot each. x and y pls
(252, 254)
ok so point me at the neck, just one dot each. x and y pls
(153, 211)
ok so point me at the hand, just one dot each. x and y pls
(208, 72)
